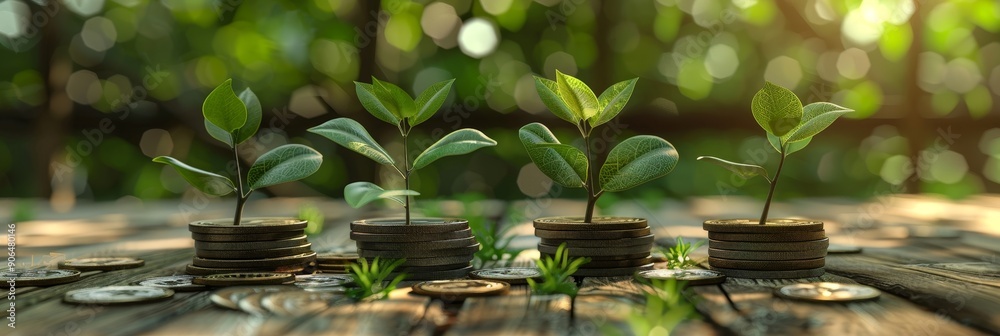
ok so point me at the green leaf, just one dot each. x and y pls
(776, 109)
(395, 99)
(792, 147)
(430, 101)
(209, 183)
(612, 101)
(350, 134)
(358, 194)
(577, 95)
(369, 97)
(456, 143)
(564, 164)
(548, 91)
(224, 109)
(637, 160)
(743, 170)
(283, 164)
(816, 117)
(254, 112)
(219, 133)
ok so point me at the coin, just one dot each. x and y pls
(767, 265)
(828, 292)
(337, 257)
(296, 303)
(251, 304)
(437, 261)
(255, 254)
(643, 240)
(749, 274)
(244, 279)
(753, 225)
(617, 263)
(117, 295)
(435, 275)
(221, 238)
(759, 246)
(598, 251)
(251, 245)
(177, 283)
(247, 226)
(40, 277)
(397, 254)
(693, 277)
(611, 272)
(418, 246)
(196, 270)
(767, 255)
(230, 297)
(418, 225)
(768, 237)
(322, 280)
(511, 275)
(408, 238)
(589, 235)
(597, 224)
(101, 264)
(842, 249)
(460, 289)
(258, 263)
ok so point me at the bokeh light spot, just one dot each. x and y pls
(478, 38)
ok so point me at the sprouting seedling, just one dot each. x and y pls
(370, 278)
(233, 120)
(391, 104)
(678, 255)
(632, 162)
(665, 309)
(557, 272)
(789, 127)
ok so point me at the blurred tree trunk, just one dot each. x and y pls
(52, 116)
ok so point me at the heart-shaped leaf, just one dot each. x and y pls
(369, 97)
(456, 143)
(209, 183)
(816, 117)
(637, 160)
(790, 147)
(564, 164)
(224, 109)
(350, 134)
(283, 164)
(395, 99)
(578, 96)
(548, 91)
(358, 194)
(612, 101)
(776, 109)
(430, 101)
(743, 170)
(254, 112)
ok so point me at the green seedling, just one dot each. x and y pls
(677, 255)
(557, 272)
(391, 104)
(632, 162)
(233, 120)
(494, 242)
(370, 278)
(665, 309)
(789, 127)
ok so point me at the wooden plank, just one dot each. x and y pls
(399, 315)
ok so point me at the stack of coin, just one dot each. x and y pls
(335, 262)
(256, 245)
(616, 246)
(779, 249)
(434, 248)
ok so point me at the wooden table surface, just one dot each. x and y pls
(931, 286)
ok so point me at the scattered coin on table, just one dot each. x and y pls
(316, 281)
(230, 297)
(117, 295)
(829, 292)
(101, 264)
(244, 279)
(178, 283)
(843, 249)
(693, 277)
(460, 289)
(40, 277)
(296, 303)
(510, 275)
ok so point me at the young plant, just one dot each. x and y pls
(789, 126)
(677, 255)
(665, 309)
(494, 242)
(556, 276)
(233, 120)
(370, 278)
(632, 162)
(391, 104)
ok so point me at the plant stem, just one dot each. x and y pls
(770, 194)
(406, 177)
(591, 195)
(241, 199)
